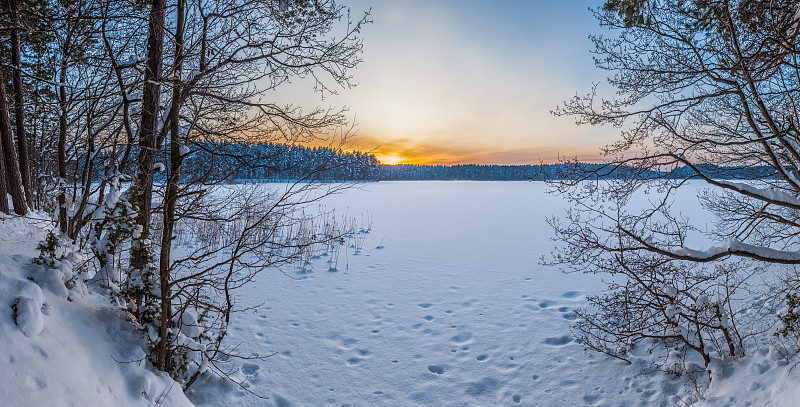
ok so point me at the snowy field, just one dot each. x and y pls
(446, 305)
(454, 310)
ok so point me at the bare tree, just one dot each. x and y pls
(706, 91)
(225, 58)
(103, 116)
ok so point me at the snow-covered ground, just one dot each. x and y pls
(455, 310)
(446, 305)
(60, 352)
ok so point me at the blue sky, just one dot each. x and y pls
(447, 81)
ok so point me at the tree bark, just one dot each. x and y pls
(171, 196)
(147, 151)
(62, 137)
(3, 189)
(150, 112)
(19, 106)
(10, 156)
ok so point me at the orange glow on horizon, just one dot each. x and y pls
(433, 150)
(445, 157)
(393, 151)
(398, 159)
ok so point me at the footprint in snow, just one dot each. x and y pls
(249, 368)
(545, 304)
(591, 399)
(463, 337)
(485, 386)
(281, 402)
(425, 305)
(436, 369)
(571, 294)
(348, 343)
(558, 340)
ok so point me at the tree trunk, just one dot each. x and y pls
(10, 156)
(19, 107)
(62, 139)
(147, 151)
(171, 196)
(150, 112)
(3, 189)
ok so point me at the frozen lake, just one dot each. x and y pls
(454, 310)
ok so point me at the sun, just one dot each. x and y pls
(390, 159)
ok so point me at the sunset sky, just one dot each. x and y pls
(454, 81)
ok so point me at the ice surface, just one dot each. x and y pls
(453, 311)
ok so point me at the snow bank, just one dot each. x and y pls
(768, 378)
(56, 352)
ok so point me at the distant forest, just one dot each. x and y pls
(267, 161)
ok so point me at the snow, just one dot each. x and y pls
(28, 315)
(733, 246)
(445, 305)
(183, 150)
(453, 310)
(193, 74)
(57, 352)
(701, 301)
(765, 194)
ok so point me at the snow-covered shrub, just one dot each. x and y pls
(790, 321)
(27, 314)
(112, 224)
(50, 250)
(190, 340)
(63, 267)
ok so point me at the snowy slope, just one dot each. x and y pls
(68, 355)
